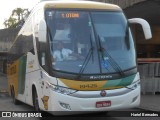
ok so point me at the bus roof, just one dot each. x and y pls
(80, 5)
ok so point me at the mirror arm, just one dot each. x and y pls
(42, 31)
(145, 25)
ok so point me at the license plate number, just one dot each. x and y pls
(103, 104)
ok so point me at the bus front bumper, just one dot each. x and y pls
(65, 104)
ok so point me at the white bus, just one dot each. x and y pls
(75, 56)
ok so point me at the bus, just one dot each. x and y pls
(75, 56)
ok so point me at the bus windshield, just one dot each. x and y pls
(90, 42)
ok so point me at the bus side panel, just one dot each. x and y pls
(32, 77)
(22, 75)
(21, 78)
(16, 77)
(13, 77)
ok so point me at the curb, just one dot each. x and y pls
(143, 108)
(148, 109)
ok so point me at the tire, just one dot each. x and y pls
(15, 101)
(35, 102)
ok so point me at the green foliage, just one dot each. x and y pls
(17, 17)
(10, 23)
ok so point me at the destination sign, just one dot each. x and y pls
(70, 15)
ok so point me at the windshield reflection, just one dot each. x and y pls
(74, 47)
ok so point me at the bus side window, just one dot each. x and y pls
(40, 45)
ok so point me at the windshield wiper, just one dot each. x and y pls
(87, 58)
(110, 60)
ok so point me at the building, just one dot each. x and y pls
(7, 37)
(150, 11)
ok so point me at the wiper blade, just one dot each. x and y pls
(87, 58)
(114, 64)
(85, 62)
(111, 61)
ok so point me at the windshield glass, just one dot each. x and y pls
(75, 39)
(116, 40)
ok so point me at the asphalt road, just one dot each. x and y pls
(6, 104)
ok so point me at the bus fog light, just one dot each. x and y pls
(134, 99)
(64, 105)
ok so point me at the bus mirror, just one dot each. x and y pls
(42, 31)
(145, 25)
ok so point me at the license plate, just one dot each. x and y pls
(103, 104)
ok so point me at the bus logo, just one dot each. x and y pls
(103, 93)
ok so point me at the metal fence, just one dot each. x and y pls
(150, 77)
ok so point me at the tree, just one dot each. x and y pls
(17, 18)
(20, 13)
(10, 23)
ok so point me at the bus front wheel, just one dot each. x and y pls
(35, 101)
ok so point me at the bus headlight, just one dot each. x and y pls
(134, 85)
(62, 90)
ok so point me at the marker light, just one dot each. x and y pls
(134, 85)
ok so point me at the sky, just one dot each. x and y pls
(6, 7)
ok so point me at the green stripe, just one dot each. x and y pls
(119, 82)
(21, 74)
(112, 83)
(127, 81)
